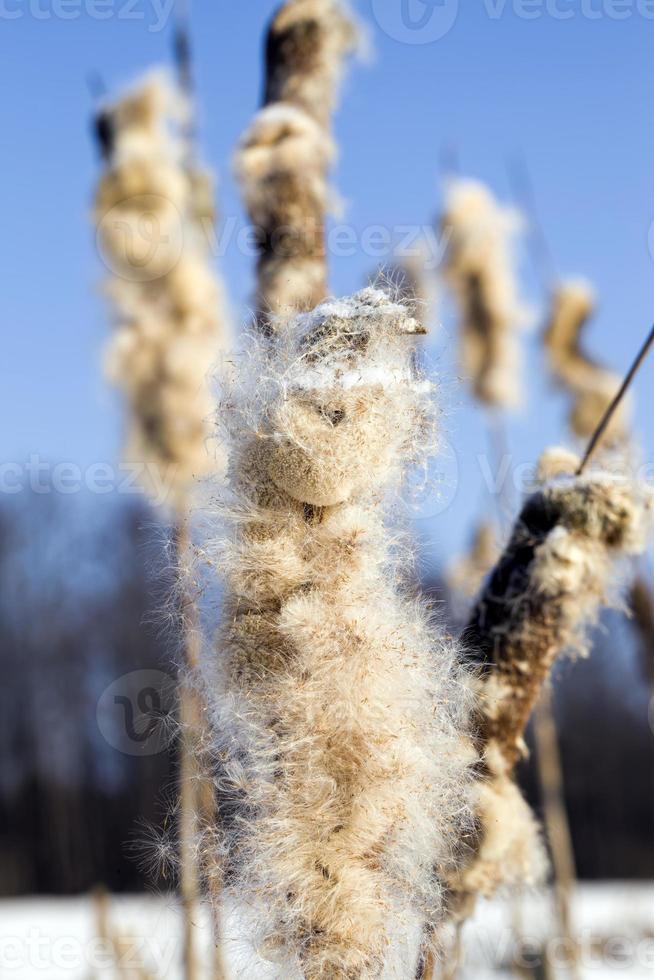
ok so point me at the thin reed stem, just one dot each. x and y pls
(189, 773)
(609, 413)
(557, 825)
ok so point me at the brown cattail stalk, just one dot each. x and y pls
(546, 589)
(284, 158)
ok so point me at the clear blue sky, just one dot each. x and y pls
(575, 94)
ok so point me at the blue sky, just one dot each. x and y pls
(571, 85)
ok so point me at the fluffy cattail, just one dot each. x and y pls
(337, 705)
(284, 158)
(591, 386)
(479, 268)
(544, 592)
(170, 325)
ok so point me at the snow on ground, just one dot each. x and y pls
(57, 939)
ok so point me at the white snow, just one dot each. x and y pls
(56, 938)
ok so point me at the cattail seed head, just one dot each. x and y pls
(592, 386)
(338, 707)
(283, 159)
(170, 324)
(479, 269)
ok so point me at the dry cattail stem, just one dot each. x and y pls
(592, 386)
(337, 707)
(641, 605)
(170, 325)
(546, 589)
(550, 774)
(284, 158)
(479, 269)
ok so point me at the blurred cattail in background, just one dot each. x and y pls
(591, 386)
(480, 270)
(153, 209)
(284, 158)
(167, 301)
(338, 707)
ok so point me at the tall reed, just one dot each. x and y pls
(152, 209)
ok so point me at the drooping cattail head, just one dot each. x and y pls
(592, 386)
(479, 267)
(543, 594)
(150, 210)
(284, 158)
(548, 588)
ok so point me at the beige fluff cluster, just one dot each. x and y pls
(337, 704)
(545, 591)
(479, 268)
(592, 386)
(170, 323)
(284, 158)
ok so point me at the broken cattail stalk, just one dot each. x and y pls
(284, 158)
(337, 707)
